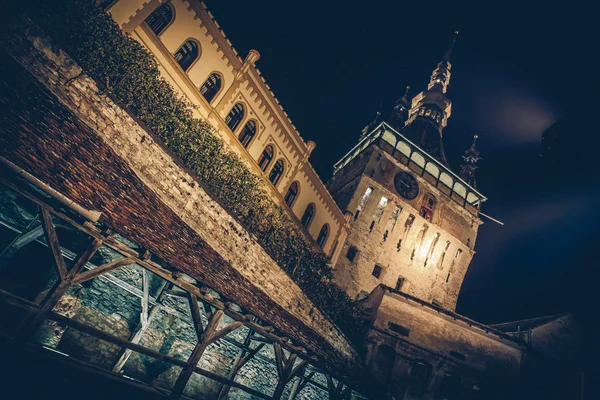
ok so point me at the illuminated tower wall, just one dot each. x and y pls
(414, 222)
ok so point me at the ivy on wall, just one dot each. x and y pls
(129, 74)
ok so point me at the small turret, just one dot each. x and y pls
(467, 169)
(400, 114)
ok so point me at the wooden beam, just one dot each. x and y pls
(136, 337)
(192, 362)
(196, 317)
(103, 269)
(149, 352)
(300, 384)
(145, 297)
(60, 289)
(244, 355)
(52, 239)
(17, 301)
(285, 369)
(201, 293)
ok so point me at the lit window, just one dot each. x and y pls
(322, 238)
(235, 116)
(211, 87)
(247, 133)
(160, 18)
(380, 208)
(265, 158)
(276, 172)
(363, 201)
(352, 253)
(291, 194)
(187, 54)
(376, 271)
(428, 206)
(308, 215)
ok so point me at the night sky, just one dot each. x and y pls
(515, 71)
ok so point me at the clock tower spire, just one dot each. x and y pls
(430, 110)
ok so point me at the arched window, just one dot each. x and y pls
(248, 133)
(276, 172)
(307, 218)
(265, 158)
(428, 206)
(211, 87)
(160, 18)
(323, 234)
(235, 116)
(187, 54)
(291, 194)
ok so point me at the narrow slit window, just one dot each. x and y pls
(363, 201)
(380, 208)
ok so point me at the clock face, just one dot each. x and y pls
(406, 185)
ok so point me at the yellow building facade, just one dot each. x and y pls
(229, 92)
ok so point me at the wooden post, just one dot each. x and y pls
(206, 336)
(300, 384)
(285, 369)
(67, 278)
(143, 325)
(52, 239)
(339, 391)
(244, 355)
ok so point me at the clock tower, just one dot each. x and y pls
(413, 220)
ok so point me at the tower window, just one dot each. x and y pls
(247, 133)
(235, 116)
(308, 215)
(391, 224)
(363, 201)
(276, 172)
(380, 208)
(352, 253)
(322, 238)
(291, 194)
(187, 54)
(399, 283)
(265, 158)
(377, 271)
(428, 206)
(160, 18)
(211, 87)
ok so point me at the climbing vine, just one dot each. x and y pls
(129, 74)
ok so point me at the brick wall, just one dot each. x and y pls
(91, 150)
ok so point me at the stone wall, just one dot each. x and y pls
(94, 152)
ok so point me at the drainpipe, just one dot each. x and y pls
(90, 215)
